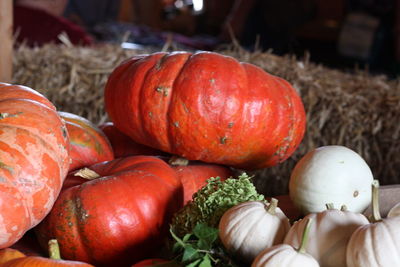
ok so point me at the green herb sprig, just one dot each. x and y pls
(200, 249)
(210, 203)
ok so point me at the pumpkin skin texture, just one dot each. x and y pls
(89, 145)
(394, 211)
(21, 260)
(36, 261)
(329, 235)
(149, 262)
(123, 145)
(78, 177)
(8, 254)
(119, 218)
(283, 255)
(206, 107)
(375, 245)
(195, 175)
(33, 261)
(331, 174)
(34, 160)
(249, 227)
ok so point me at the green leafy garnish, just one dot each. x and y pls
(199, 249)
(211, 202)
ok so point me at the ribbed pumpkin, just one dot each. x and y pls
(206, 106)
(34, 160)
(120, 218)
(193, 175)
(89, 145)
(376, 244)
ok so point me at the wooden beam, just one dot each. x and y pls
(6, 37)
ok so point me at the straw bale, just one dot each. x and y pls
(73, 78)
(357, 110)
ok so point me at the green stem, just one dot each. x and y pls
(376, 215)
(304, 238)
(54, 249)
(272, 206)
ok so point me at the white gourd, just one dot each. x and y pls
(284, 255)
(249, 227)
(329, 234)
(331, 174)
(376, 244)
(394, 211)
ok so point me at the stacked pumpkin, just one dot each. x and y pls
(34, 160)
(259, 234)
(202, 107)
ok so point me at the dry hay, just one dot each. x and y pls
(356, 110)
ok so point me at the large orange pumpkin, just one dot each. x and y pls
(207, 107)
(34, 160)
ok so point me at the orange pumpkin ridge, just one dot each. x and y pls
(34, 153)
(207, 107)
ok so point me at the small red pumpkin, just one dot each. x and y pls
(119, 218)
(34, 160)
(206, 106)
(193, 175)
(123, 145)
(89, 145)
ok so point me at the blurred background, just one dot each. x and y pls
(344, 34)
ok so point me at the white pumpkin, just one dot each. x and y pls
(376, 244)
(249, 227)
(394, 211)
(331, 174)
(284, 255)
(329, 234)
